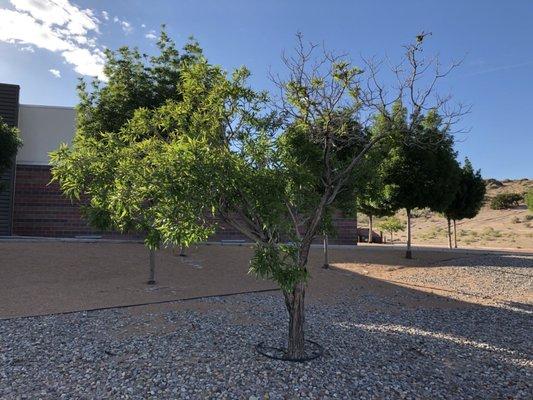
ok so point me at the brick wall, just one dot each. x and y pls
(41, 210)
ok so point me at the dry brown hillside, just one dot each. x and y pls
(511, 228)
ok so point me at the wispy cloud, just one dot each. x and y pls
(501, 68)
(57, 26)
(125, 25)
(151, 35)
(55, 72)
(105, 15)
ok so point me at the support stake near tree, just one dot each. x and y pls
(449, 233)
(408, 253)
(326, 258)
(455, 232)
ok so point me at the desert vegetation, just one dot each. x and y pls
(504, 201)
(503, 228)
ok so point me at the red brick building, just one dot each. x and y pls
(32, 206)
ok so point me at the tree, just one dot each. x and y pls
(9, 144)
(273, 169)
(373, 195)
(422, 170)
(373, 208)
(468, 198)
(107, 161)
(392, 225)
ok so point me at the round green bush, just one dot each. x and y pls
(506, 200)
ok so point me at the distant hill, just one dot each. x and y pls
(511, 228)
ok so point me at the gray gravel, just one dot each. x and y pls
(502, 278)
(375, 348)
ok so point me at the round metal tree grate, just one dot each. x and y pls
(313, 351)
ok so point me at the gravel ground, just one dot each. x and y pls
(375, 348)
(504, 279)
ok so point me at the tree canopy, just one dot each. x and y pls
(469, 194)
(421, 171)
(10, 142)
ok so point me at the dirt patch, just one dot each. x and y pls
(52, 277)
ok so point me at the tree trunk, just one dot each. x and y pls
(356, 229)
(449, 233)
(408, 253)
(391, 239)
(370, 238)
(455, 232)
(295, 306)
(182, 251)
(326, 258)
(151, 280)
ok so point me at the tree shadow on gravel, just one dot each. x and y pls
(429, 258)
(465, 348)
(502, 327)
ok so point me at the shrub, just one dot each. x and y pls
(490, 232)
(529, 217)
(529, 200)
(505, 200)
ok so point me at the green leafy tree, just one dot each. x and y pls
(422, 171)
(392, 225)
(375, 206)
(373, 194)
(113, 145)
(468, 199)
(274, 170)
(10, 142)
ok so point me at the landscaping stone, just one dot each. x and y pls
(375, 347)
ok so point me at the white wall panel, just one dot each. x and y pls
(43, 129)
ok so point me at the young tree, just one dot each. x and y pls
(468, 198)
(392, 225)
(105, 162)
(325, 104)
(372, 194)
(220, 148)
(374, 209)
(9, 144)
(422, 169)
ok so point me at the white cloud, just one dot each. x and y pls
(105, 14)
(27, 49)
(57, 26)
(151, 35)
(143, 26)
(60, 13)
(125, 25)
(55, 72)
(83, 61)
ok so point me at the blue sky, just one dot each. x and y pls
(46, 44)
